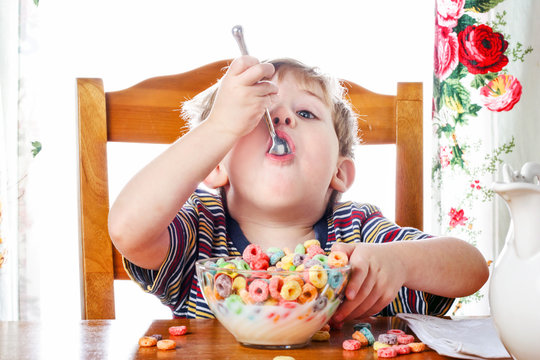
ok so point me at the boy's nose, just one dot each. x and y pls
(286, 121)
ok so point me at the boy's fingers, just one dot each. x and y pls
(256, 73)
(343, 247)
(241, 64)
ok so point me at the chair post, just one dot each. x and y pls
(409, 155)
(97, 282)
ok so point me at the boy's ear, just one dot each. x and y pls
(217, 178)
(344, 175)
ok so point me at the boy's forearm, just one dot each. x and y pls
(443, 266)
(149, 202)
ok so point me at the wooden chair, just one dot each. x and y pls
(145, 113)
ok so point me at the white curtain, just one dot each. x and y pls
(485, 113)
(9, 10)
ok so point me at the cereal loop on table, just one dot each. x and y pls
(178, 330)
(351, 344)
(417, 346)
(291, 290)
(369, 336)
(321, 336)
(379, 345)
(166, 344)
(390, 339)
(337, 259)
(396, 332)
(387, 352)
(405, 339)
(147, 341)
(402, 349)
(281, 357)
(325, 327)
(357, 335)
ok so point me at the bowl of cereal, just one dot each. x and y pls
(274, 298)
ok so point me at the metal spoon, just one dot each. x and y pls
(279, 145)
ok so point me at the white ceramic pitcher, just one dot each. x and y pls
(514, 293)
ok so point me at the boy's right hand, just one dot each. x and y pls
(243, 95)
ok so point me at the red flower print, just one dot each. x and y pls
(481, 50)
(457, 217)
(446, 52)
(501, 93)
(448, 12)
(444, 155)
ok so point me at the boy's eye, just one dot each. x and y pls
(306, 114)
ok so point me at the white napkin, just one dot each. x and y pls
(459, 338)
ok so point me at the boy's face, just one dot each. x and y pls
(301, 180)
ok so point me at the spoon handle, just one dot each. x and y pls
(238, 35)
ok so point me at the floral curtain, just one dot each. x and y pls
(485, 89)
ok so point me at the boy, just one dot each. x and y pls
(278, 201)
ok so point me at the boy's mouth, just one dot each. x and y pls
(290, 143)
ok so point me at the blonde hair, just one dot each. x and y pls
(344, 118)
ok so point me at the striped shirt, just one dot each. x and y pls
(203, 229)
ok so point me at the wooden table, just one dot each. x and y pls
(206, 339)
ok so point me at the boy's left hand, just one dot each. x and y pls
(376, 277)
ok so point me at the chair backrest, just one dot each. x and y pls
(145, 113)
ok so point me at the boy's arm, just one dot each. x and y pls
(139, 217)
(442, 266)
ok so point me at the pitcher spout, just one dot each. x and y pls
(521, 193)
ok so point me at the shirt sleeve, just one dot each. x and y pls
(378, 229)
(171, 283)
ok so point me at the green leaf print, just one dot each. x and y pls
(481, 5)
(455, 95)
(464, 21)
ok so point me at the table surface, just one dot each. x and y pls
(206, 339)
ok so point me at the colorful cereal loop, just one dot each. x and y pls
(390, 339)
(357, 335)
(379, 345)
(351, 344)
(251, 252)
(318, 276)
(335, 277)
(300, 249)
(337, 259)
(388, 352)
(402, 349)
(291, 290)
(321, 336)
(223, 285)
(235, 304)
(367, 333)
(239, 283)
(147, 341)
(308, 243)
(276, 283)
(405, 339)
(258, 290)
(417, 346)
(309, 293)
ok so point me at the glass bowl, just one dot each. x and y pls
(271, 309)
